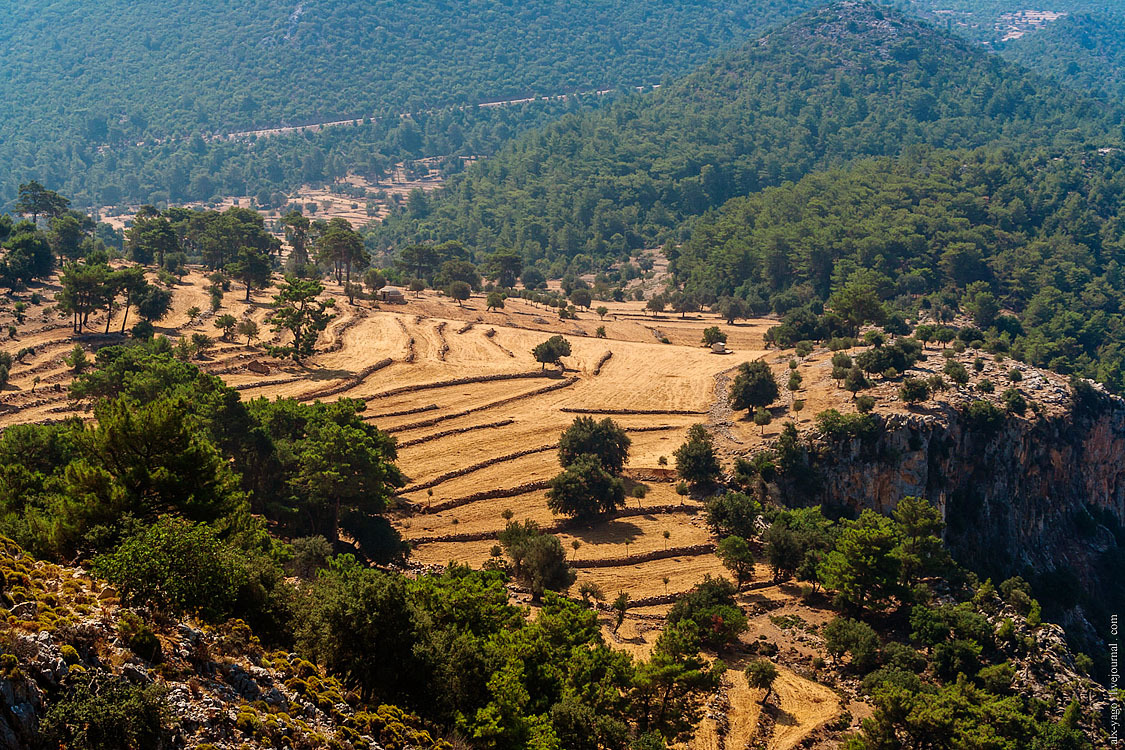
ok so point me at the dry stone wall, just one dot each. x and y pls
(348, 383)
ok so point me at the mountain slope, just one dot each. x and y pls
(211, 65)
(1084, 51)
(844, 81)
(1037, 233)
(78, 77)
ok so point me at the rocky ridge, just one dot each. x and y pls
(221, 689)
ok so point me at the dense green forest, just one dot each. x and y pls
(1085, 51)
(268, 168)
(112, 74)
(217, 67)
(128, 94)
(846, 81)
(1038, 234)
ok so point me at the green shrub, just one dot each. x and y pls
(106, 713)
(984, 417)
(1014, 401)
(839, 426)
(69, 654)
(711, 607)
(138, 636)
(178, 566)
(956, 372)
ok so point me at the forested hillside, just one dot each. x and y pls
(846, 81)
(269, 168)
(114, 73)
(1085, 51)
(986, 232)
(128, 95)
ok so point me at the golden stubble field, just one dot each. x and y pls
(473, 412)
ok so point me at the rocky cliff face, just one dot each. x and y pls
(1042, 496)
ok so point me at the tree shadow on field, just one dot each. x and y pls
(609, 532)
(781, 718)
(326, 374)
(750, 596)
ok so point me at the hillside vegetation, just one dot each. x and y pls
(128, 94)
(1083, 50)
(242, 496)
(985, 232)
(845, 81)
(117, 73)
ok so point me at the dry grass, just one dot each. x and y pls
(643, 374)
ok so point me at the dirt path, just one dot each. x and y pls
(732, 716)
(720, 417)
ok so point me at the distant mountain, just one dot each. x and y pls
(849, 80)
(115, 101)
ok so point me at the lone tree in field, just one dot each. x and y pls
(551, 351)
(298, 310)
(754, 386)
(735, 554)
(154, 303)
(341, 247)
(855, 381)
(585, 490)
(713, 335)
(606, 441)
(247, 328)
(226, 323)
(695, 459)
(77, 359)
(581, 298)
(732, 308)
(620, 605)
(460, 291)
(252, 268)
(761, 674)
(494, 301)
(538, 560)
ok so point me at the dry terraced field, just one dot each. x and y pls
(477, 420)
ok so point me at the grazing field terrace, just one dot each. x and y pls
(477, 421)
